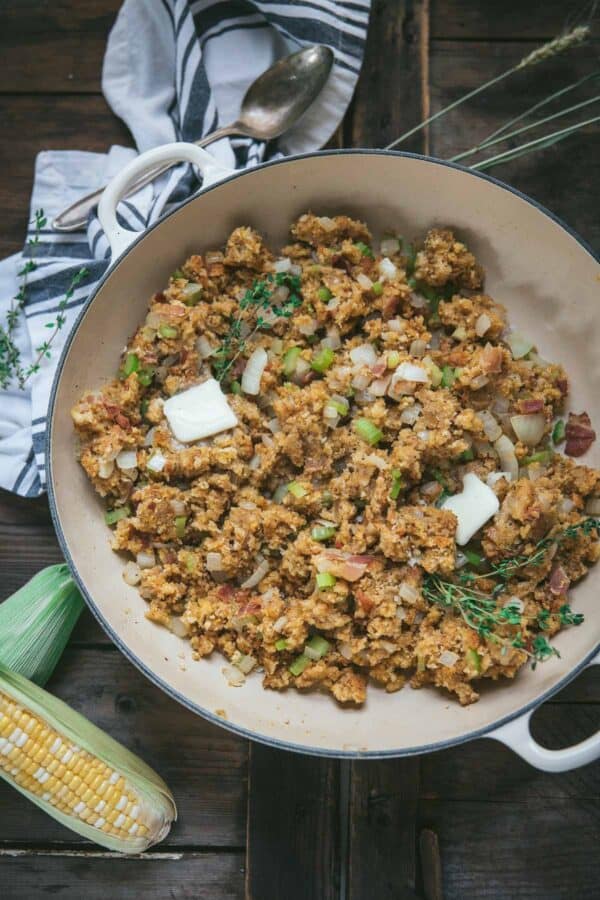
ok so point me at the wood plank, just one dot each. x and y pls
(399, 71)
(516, 851)
(382, 843)
(293, 834)
(488, 20)
(560, 177)
(204, 765)
(203, 876)
(486, 769)
(54, 47)
(71, 122)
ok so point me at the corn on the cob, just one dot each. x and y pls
(76, 773)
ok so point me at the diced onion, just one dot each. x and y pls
(105, 468)
(326, 223)
(482, 324)
(214, 562)
(255, 462)
(178, 507)
(460, 333)
(345, 650)
(308, 328)
(519, 345)
(273, 426)
(409, 416)
(280, 623)
(389, 246)
(396, 325)
(490, 425)
(592, 506)
(283, 264)
(505, 449)
(378, 388)
(257, 576)
(408, 592)
(360, 382)
(333, 339)
(530, 428)
(204, 348)
(145, 559)
(400, 613)
(387, 269)
(448, 658)
(417, 301)
(131, 573)
(478, 382)
(407, 371)
(243, 662)
(157, 462)
(566, 505)
(364, 355)
(177, 627)
(233, 676)
(418, 348)
(254, 371)
(364, 281)
(295, 270)
(149, 439)
(279, 295)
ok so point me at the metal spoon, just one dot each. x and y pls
(271, 105)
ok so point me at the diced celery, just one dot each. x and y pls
(131, 364)
(364, 249)
(558, 432)
(368, 431)
(377, 288)
(281, 644)
(168, 331)
(111, 516)
(396, 484)
(323, 359)
(299, 664)
(474, 659)
(448, 376)
(191, 293)
(324, 294)
(323, 532)
(290, 360)
(297, 490)
(317, 645)
(325, 580)
(180, 522)
(393, 359)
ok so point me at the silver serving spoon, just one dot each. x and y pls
(271, 105)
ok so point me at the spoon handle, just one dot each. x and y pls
(75, 216)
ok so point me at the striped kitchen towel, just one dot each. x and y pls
(173, 70)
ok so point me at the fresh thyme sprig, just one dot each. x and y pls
(10, 357)
(480, 611)
(506, 568)
(11, 367)
(260, 299)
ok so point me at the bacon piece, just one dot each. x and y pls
(579, 433)
(390, 308)
(563, 385)
(365, 602)
(344, 565)
(530, 406)
(115, 413)
(559, 581)
(338, 261)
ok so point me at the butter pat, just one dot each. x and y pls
(199, 412)
(472, 507)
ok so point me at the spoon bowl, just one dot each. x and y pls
(282, 94)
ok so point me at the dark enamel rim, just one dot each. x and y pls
(217, 720)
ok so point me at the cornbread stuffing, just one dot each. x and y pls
(300, 527)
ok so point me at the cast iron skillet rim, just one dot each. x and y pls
(152, 676)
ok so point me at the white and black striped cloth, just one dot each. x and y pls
(173, 70)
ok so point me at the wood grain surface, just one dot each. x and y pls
(473, 821)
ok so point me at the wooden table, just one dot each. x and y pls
(256, 822)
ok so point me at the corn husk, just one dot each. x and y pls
(155, 799)
(36, 623)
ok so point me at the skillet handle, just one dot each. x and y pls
(517, 736)
(120, 238)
